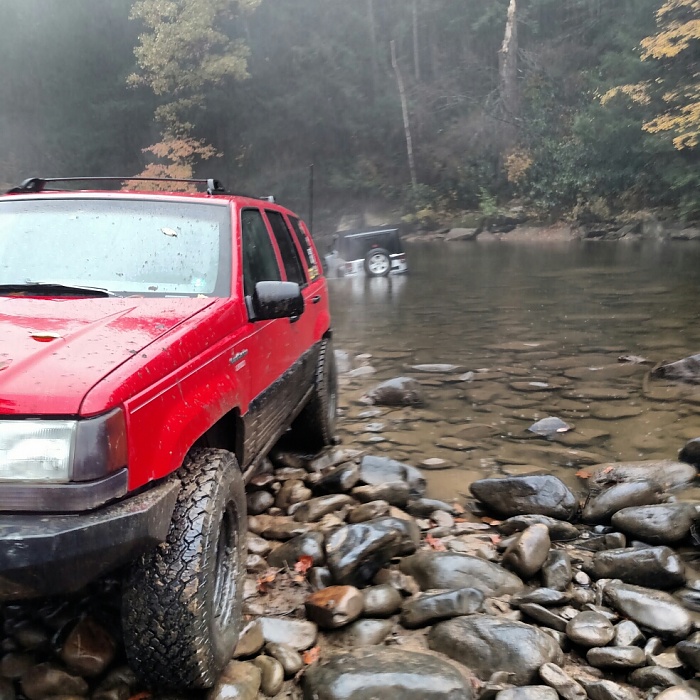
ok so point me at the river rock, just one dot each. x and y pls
(276, 527)
(314, 509)
(627, 634)
(528, 692)
(259, 501)
(654, 676)
(400, 391)
(14, 665)
(447, 570)
(379, 470)
(541, 494)
(289, 658)
(562, 682)
(364, 633)
(590, 629)
(544, 616)
(616, 657)
(423, 507)
(556, 572)
(89, 649)
(546, 597)
(426, 609)
(381, 601)
(339, 480)
(549, 426)
(653, 567)
(334, 606)
(46, 679)
(558, 529)
(528, 552)
(689, 652)
(250, 641)
(679, 692)
(368, 511)
(665, 474)
(238, 681)
(382, 672)
(271, 675)
(650, 609)
(495, 644)
(685, 370)
(607, 690)
(395, 493)
(355, 553)
(664, 523)
(691, 452)
(298, 634)
(289, 553)
(292, 491)
(601, 506)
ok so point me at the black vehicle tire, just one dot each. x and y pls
(182, 602)
(377, 263)
(314, 428)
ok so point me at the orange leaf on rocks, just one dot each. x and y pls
(435, 543)
(264, 580)
(491, 521)
(583, 474)
(310, 656)
(607, 470)
(495, 538)
(304, 564)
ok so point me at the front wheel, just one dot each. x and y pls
(182, 604)
(378, 263)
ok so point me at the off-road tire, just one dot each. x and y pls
(314, 428)
(182, 602)
(377, 263)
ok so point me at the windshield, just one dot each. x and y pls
(143, 247)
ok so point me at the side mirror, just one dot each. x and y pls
(275, 300)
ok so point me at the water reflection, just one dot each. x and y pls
(545, 325)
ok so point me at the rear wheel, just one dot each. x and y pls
(314, 428)
(182, 602)
(378, 263)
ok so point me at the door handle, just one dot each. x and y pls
(294, 319)
(315, 299)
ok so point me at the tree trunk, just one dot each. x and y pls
(508, 73)
(416, 47)
(406, 121)
(373, 42)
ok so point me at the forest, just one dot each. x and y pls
(570, 108)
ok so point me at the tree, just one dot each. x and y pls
(183, 56)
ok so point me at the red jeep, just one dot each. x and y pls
(153, 347)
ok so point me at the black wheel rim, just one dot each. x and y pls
(226, 571)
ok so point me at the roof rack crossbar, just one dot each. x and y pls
(38, 184)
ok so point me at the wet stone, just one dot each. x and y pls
(627, 634)
(562, 682)
(529, 552)
(298, 634)
(396, 493)
(259, 501)
(401, 391)
(292, 491)
(368, 511)
(590, 629)
(380, 470)
(544, 616)
(258, 545)
(447, 570)
(271, 674)
(47, 679)
(665, 523)
(691, 452)
(334, 606)
(356, 552)
(250, 642)
(689, 652)
(289, 553)
(599, 543)
(382, 672)
(340, 480)
(556, 572)
(541, 494)
(665, 473)
(608, 690)
(528, 692)
(276, 527)
(546, 597)
(89, 649)
(650, 609)
(31, 636)
(289, 658)
(653, 567)
(363, 633)
(316, 508)
(616, 657)
(654, 676)
(238, 681)
(549, 426)
(319, 577)
(14, 665)
(423, 507)
(558, 529)
(7, 690)
(603, 505)
(495, 644)
(381, 601)
(426, 609)
(678, 692)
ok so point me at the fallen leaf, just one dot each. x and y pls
(304, 564)
(458, 508)
(311, 655)
(583, 474)
(607, 470)
(264, 580)
(491, 521)
(435, 543)
(495, 538)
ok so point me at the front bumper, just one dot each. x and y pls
(43, 555)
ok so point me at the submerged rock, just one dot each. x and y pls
(549, 426)
(489, 644)
(380, 470)
(401, 391)
(541, 494)
(382, 672)
(685, 370)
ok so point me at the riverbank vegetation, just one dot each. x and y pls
(584, 108)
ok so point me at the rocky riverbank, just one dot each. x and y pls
(359, 586)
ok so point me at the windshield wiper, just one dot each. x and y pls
(55, 289)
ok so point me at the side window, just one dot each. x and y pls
(259, 259)
(290, 257)
(306, 249)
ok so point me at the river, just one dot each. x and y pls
(541, 326)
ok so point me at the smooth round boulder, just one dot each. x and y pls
(616, 657)
(653, 567)
(664, 523)
(427, 609)
(541, 494)
(602, 505)
(493, 644)
(562, 682)
(381, 601)
(383, 672)
(528, 552)
(559, 530)
(556, 572)
(400, 391)
(335, 606)
(288, 554)
(590, 629)
(528, 692)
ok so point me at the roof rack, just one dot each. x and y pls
(38, 184)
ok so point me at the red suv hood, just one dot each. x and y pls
(53, 351)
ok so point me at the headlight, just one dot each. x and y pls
(37, 450)
(61, 451)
